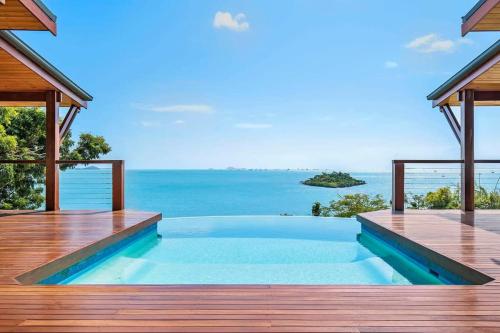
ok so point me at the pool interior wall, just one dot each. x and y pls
(413, 268)
(100, 256)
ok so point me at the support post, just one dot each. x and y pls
(467, 149)
(52, 151)
(118, 175)
(398, 186)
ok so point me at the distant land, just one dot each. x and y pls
(334, 180)
(91, 167)
(270, 169)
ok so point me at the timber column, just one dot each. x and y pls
(467, 149)
(52, 151)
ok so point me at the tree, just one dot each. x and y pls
(316, 209)
(350, 205)
(22, 137)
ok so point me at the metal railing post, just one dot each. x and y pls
(398, 186)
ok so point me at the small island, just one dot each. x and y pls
(333, 179)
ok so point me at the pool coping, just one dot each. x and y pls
(60, 264)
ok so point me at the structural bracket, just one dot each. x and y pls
(68, 120)
(452, 121)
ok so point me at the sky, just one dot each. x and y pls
(334, 84)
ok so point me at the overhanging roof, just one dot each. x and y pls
(24, 70)
(26, 15)
(481, 74)
(484, 16)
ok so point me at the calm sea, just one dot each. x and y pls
(226, 192)
(178, 193)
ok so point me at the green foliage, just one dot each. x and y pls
(333, 179)
(89, 147)
(416, 201)
(350, 205)
(22, 137)
(443, 198)
(485, 199)
(449, 198)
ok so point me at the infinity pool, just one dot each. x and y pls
(256, 250)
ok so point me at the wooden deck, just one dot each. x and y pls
(30, 239)
(248, 308)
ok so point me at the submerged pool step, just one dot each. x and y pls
(142, 271)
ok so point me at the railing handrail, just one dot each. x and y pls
(22, 161)
(88, 161)
(61, 161)
(440, 161)
(426, 161)
(486, 161)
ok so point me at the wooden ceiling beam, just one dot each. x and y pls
(31, 96)
(483, 96)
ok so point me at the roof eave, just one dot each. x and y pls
(33, 56)
(38, 9)
(476, 14)
(468, 70)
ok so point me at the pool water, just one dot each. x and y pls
(256, 250)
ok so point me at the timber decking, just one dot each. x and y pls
(29, 239)
(257, 308)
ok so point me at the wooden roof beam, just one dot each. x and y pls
(483, 96)
(29, 96)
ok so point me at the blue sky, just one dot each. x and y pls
(266, 84)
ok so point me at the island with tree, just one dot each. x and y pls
(333, 179)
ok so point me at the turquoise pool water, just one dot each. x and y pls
(256, 250)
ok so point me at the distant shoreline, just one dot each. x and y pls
(253, 170)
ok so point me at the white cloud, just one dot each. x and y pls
(391, 64)
(253, 125)
(179, 108)
(226, 20)
(432, 43)
(179, 122)
(465, 41)
(146, 123)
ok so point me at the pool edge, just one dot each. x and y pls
(452, 269)
(47, 270)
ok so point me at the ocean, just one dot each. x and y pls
(180, 193)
